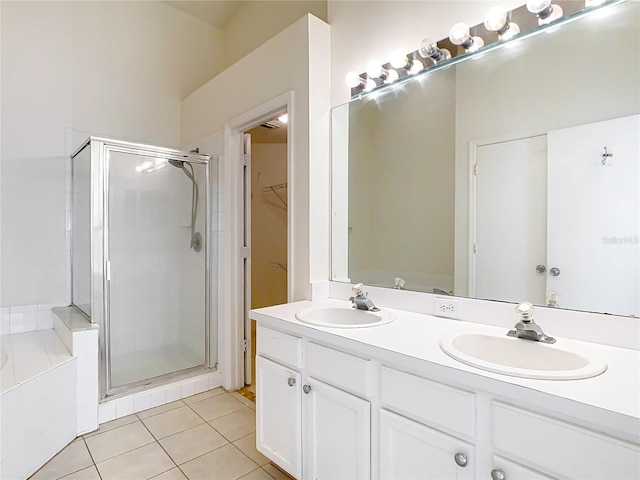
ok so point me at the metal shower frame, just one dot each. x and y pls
(100, 281)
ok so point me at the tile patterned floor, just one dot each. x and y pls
(209, 436)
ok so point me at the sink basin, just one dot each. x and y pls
(343, 317)
(522, 358)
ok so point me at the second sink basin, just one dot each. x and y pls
(522, 358)
(343, 317)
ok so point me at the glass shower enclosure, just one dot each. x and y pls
(142, 261)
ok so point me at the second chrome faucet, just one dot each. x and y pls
(527, 328)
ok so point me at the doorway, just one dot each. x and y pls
(266, 227)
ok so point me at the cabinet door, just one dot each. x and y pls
(410, 450)
(278, 415)
(514, 471)
(337, 433)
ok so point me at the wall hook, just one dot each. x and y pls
(605, 157)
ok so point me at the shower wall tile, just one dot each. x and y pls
(174, 392)
(124, 407)
(157, 397)
(106, 412)
(142, 401)
(188, 389)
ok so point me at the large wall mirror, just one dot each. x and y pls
(512, 175)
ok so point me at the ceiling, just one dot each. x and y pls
(214, 12)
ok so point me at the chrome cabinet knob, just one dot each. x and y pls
(498, 474)
(461, 459)
(291, 381)
(541, 268)
(306, 388)
(554, 271)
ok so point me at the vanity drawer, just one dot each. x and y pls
(432, 403)
(340, 369)
(279, 346)
(560, 448)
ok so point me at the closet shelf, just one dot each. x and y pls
(279, 190)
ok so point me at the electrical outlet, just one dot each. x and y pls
(447, 307)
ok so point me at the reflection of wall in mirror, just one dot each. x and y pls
(404, 186)
(584, 72)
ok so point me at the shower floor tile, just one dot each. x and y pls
(208, 436)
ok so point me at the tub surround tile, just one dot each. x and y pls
(141, 401)
(157, 398)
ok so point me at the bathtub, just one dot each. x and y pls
(38, 378)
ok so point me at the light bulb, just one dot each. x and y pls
(556, 13)
(512, 30)
(416, 67)
(476, 44)
(459, 33)
(496, 19)
(537, 6)
(353, 79)
(284, 118)
(544, 10)
(374, 69)
(399, 59)
(392, 76)
(429, 49)
(369, 85)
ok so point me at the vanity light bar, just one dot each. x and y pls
(431, 55)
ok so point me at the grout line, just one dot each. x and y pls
(95, 465)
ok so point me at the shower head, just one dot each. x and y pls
(176, 163)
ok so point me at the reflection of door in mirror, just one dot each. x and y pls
(511, 220)
(594, 226)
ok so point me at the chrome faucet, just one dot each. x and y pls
(360, 300)
(527, 328)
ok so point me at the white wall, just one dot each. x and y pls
(116, 69)
(255, 22)
(280, 65)
(362, 31)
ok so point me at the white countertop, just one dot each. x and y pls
(416, 337)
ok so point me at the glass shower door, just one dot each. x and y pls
(156, 270)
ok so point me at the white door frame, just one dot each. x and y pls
(473, 146)
(232, 334)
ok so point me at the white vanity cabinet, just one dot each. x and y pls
(415, 413)
(334, 409)
(556, 448)
(312, 419)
